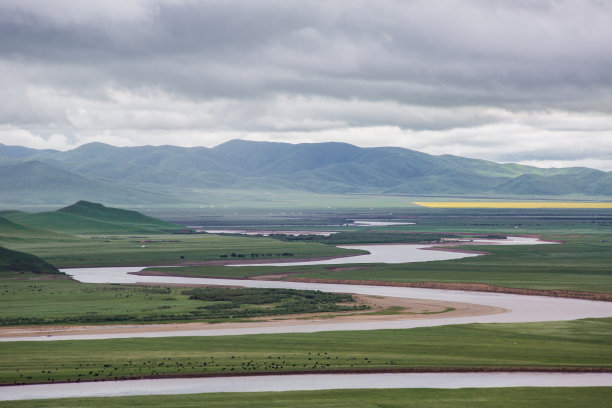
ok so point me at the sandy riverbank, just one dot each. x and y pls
(411, 309)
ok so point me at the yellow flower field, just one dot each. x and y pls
(510, 204)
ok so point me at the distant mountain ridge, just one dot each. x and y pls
(20, 151)
(101, 172)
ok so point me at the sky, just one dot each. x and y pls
(508, 81)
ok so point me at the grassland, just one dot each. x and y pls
(12, 232)
(89, 234)
(581, 344)
(28, 299)
(565, 397)
(167, 249)
(581, 263)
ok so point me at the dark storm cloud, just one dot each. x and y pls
(416, 52)
(235, 66)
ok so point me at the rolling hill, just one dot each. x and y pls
(15, 261)
(11, 231)
(171, 174)
(118, 216)
(83, 218)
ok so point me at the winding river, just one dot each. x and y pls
(407, 253)
(519, 308)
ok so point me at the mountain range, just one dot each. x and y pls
(170, 174)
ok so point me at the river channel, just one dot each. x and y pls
(519, 308)
(407, 253)
(305, 382)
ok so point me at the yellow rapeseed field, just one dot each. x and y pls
(510, 204)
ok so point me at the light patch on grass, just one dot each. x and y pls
(392, 310)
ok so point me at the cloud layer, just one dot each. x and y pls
(527, 81)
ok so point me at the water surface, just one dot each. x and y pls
(306, 382)
(407, 253)
(520, 308)
(267, 233)
(374, 223)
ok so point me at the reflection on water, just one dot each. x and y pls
(390, 254)
(266, 233)
(368, 223)
(407, 253)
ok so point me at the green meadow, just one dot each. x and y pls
(126, 250)
(527, 397)
(580, 263)
(580, 344)
(34, 299)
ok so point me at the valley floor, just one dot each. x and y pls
(381, 308)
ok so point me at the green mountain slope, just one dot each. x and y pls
(99, 212)
(582, 181)
(146, 165)
(96, 219)
(12, 231)
(73, 224)
(101, 172)
(35, 182)
(15, 261)
(339, 167)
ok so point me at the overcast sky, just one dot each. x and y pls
(508, 81)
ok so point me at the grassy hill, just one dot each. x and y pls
(11, 231)
(100, 212)
(15, 261)
(90, 218)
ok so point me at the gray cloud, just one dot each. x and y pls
(305, 70)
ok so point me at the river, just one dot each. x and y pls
(305, 382)
(520, 309)
(407, 253)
